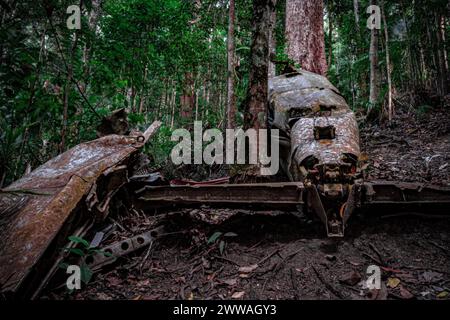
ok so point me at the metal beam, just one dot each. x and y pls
(385, 196)
(226, 194)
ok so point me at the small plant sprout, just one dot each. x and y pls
(219, 238)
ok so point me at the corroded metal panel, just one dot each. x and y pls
(297, 81)
(331, 151)
(305, 103)
(261, 194)
(302, 94)
(53, 191)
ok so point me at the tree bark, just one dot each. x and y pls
(256, 102)
(356, 10)
(305, 34)
(272, 43)
(388, 67)
(330, 36)
(231, 97)
(187, 100)
(374, 71)
(67, 87)
(441, 52)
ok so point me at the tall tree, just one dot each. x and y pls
(231, 97)
(388, 66)
(374, 70)
(256, 100)
(305, 40)
(356, 10)
(441, 52)
(272, 43)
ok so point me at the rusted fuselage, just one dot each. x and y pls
(319, 142)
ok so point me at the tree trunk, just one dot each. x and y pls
(388, 67)
(356, 10)
(374, 71)
(441, 55)
(187, 100)
(256, 101)
(62, 146)
(173, 102)
(93, 19)
(231, 97)
(444, 41)
(272, 44)
(330, 36)
(305, 34)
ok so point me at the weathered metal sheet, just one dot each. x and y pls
(386, 196)
(331, 151)
(301, 94)
(301, 80)
(110, 253)
(229, 194)
(54, 190)
(323, 148)
(305, 103)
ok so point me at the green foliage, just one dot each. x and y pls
(219, 238)
(214, 237)
(422, 110)
(161, 145)
(151, 56)
(83, 251)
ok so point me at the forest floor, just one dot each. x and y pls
(276, 256)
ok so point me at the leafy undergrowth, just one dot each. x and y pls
(281, 257)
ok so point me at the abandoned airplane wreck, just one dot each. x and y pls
(74, 193)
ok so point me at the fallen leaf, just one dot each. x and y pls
(114, 281)
(363, 157)
(407, 277)
(352, 278)
(230, 234)
(103, 296)
(405, 293)
(230, 282)
(144, 283)
(238, 295)
(387, 269)
(442, 295)
(380, 294)
(248, 269)
(393, 282)
(431, 276)
(330, 257)
(206, 264)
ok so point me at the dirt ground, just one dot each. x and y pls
(282, 256)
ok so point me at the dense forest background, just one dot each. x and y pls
(168, 60)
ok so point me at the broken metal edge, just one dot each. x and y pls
(20, 262)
